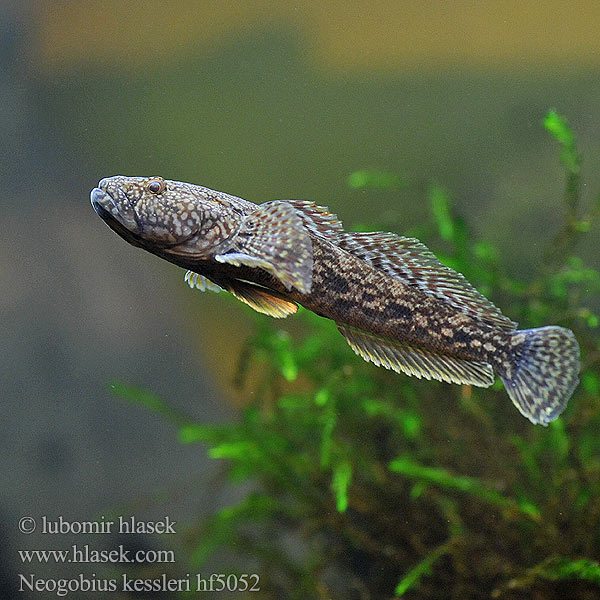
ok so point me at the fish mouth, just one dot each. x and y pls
(99, 199)
(106, 208)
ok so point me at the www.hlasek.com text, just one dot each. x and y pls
(77, 554)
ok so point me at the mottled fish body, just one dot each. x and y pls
(393, 301)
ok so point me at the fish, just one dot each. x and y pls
(394, 302)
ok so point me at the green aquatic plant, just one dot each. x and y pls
(367, 484)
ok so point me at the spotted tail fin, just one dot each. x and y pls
(545, 372)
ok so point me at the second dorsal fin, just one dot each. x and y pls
(413, 263)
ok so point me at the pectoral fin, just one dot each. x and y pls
(274, 238)
(238, 259)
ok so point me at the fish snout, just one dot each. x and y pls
(110, 203)
(101, 200)
(104, 183)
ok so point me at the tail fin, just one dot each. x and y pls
(545, 372)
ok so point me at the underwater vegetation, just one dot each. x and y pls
(366, 484)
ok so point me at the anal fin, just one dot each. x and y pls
(261, 300)
(404, 358)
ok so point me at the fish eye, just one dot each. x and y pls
(156, 186)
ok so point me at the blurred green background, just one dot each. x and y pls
(265, 100)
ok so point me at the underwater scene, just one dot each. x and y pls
(301, 300)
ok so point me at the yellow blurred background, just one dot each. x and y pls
(337, 35)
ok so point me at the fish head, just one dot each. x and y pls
(160, 214)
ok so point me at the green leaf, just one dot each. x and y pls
(221, 530)
(530, 509)
(413, 577)
(409, 421)
(410, 468)
(289, 368)
(591, 383)
(583, 226)
(342, 475)
(440, 207)
(565, 568)
(194, 432)
(243, 450)
(148, 400)
(485, 251)
(330, 420)
(322, 397)
(527, 453)
(375, 179)
(559, 440)
(557, 125)
(417, 490)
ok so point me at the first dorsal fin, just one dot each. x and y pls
(273, 238)
(317, 218)
(404, 358)
(413, 263)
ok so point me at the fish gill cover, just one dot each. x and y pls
(371, 485)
